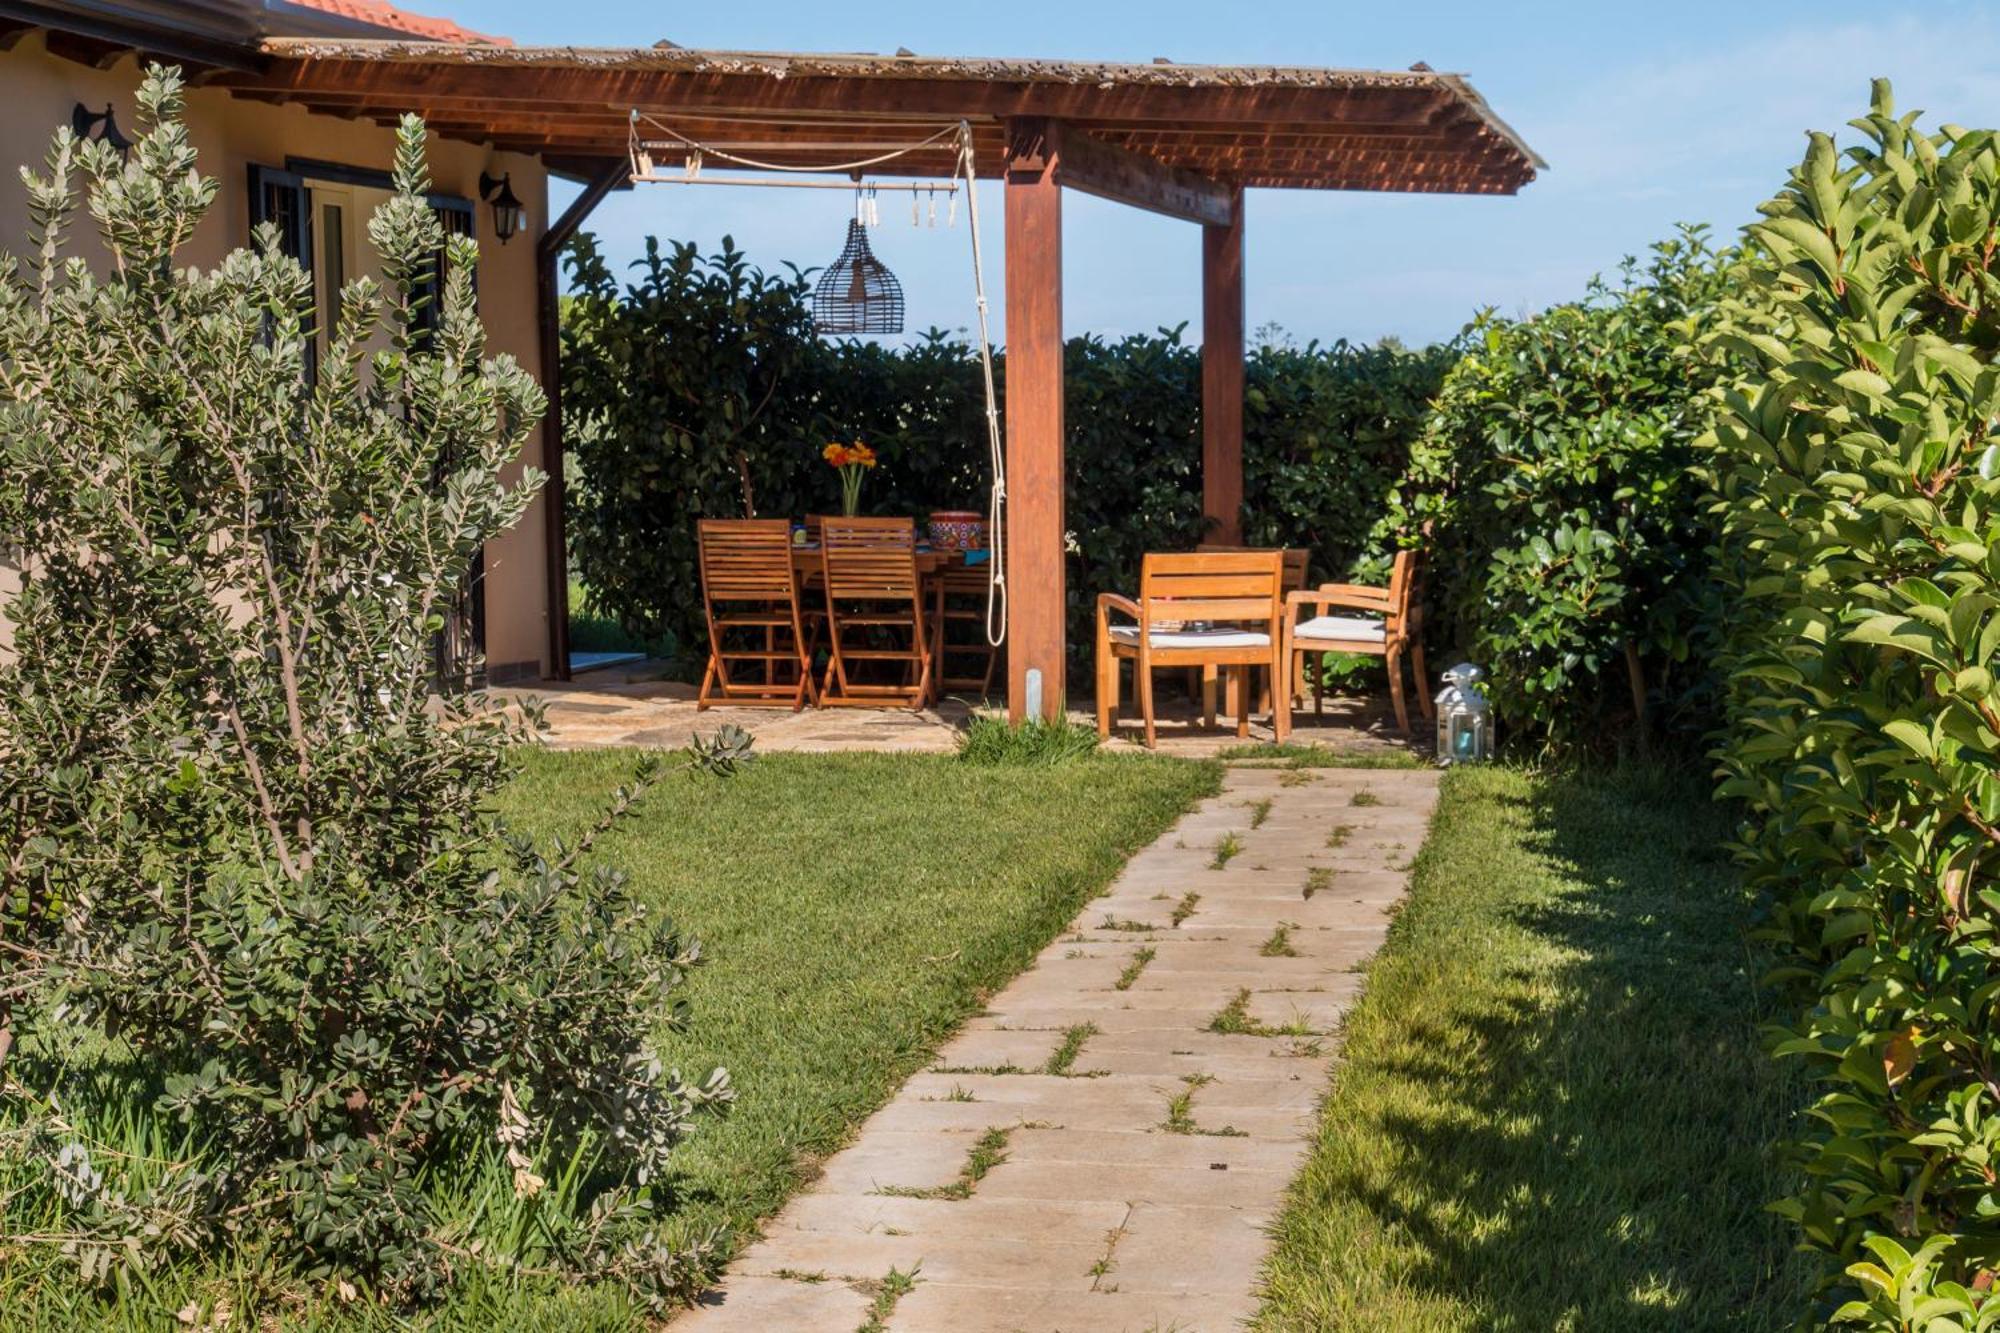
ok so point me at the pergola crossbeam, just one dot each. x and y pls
(1126, 177)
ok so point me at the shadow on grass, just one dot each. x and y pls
(1555, 1113)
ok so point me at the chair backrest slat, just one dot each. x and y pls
(1296, 560)
(1402, 584)
(1213, 585)
(747, 559)
(870, 558)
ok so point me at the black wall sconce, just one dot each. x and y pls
(99, 125)
(508, 215)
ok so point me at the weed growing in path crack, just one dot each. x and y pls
(1339, 834)
(1136, 927)
(794, 1275)
(1180, 1111)
(1233, 1020)
(1108, 1260)
(1296, 777)
(1134, 968)
(1364, 797)
(1064, 1056)
(988, 1152)
(1226, 849)
(1184, 908)
(1280, 943)
(1180, 1106)
(894, 1285)
(1260, 810)
(1317, 879)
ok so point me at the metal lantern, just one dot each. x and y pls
(508, 212)
(858, 293)
(101, 125)
(1464, 718)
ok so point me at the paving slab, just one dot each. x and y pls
(1135, 1190)
(751, 1301)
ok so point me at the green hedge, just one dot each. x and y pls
(1569, 535)
(1857, 463)
(698, 388)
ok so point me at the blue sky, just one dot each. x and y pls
(1647, 113)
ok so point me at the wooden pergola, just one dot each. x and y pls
(1182, 140)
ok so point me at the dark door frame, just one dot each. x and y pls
(295, 176)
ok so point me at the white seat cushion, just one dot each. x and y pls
(1346, 629)
(1195, 638)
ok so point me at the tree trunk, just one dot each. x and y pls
(1635, 676)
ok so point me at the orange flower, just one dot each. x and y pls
(836, 454)
(861, 455)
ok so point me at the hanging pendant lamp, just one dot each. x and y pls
(857, 293)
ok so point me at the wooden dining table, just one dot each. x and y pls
(930, 559)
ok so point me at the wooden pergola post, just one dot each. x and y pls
(1222, 376)
(1038, 596)
(548, 308)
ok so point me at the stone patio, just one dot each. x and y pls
(630, 704)
(1104, 1148)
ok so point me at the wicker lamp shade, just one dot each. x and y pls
(857, 293)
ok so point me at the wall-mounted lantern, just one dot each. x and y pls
(508, 214)
(99, 125)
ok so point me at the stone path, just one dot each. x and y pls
(1104, 1147)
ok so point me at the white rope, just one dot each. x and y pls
(996, 541)
(709, 150)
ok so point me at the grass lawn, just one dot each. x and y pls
(593, 633)
(1553, 1112)
(853, 909)
(1297, 754)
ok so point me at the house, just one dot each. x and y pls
(318, 176)
(295, 97)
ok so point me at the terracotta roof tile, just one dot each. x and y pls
(381, 15)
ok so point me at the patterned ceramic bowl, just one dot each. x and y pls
(958, 530)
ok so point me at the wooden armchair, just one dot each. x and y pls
(750, 595)
(1296, 559)
(1222, 609)
(1390, 624)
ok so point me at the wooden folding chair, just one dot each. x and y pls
(959, 600)
(1390, 625)
(872, 587)
(749, 590)
(1218, 609)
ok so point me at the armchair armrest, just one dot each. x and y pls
(1354, 596)
(1107, 602)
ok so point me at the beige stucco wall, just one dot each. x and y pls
(39, 90)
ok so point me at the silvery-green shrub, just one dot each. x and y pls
(246, 843)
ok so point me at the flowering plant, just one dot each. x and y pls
(852, 461)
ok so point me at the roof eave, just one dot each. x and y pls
(1239, 94)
